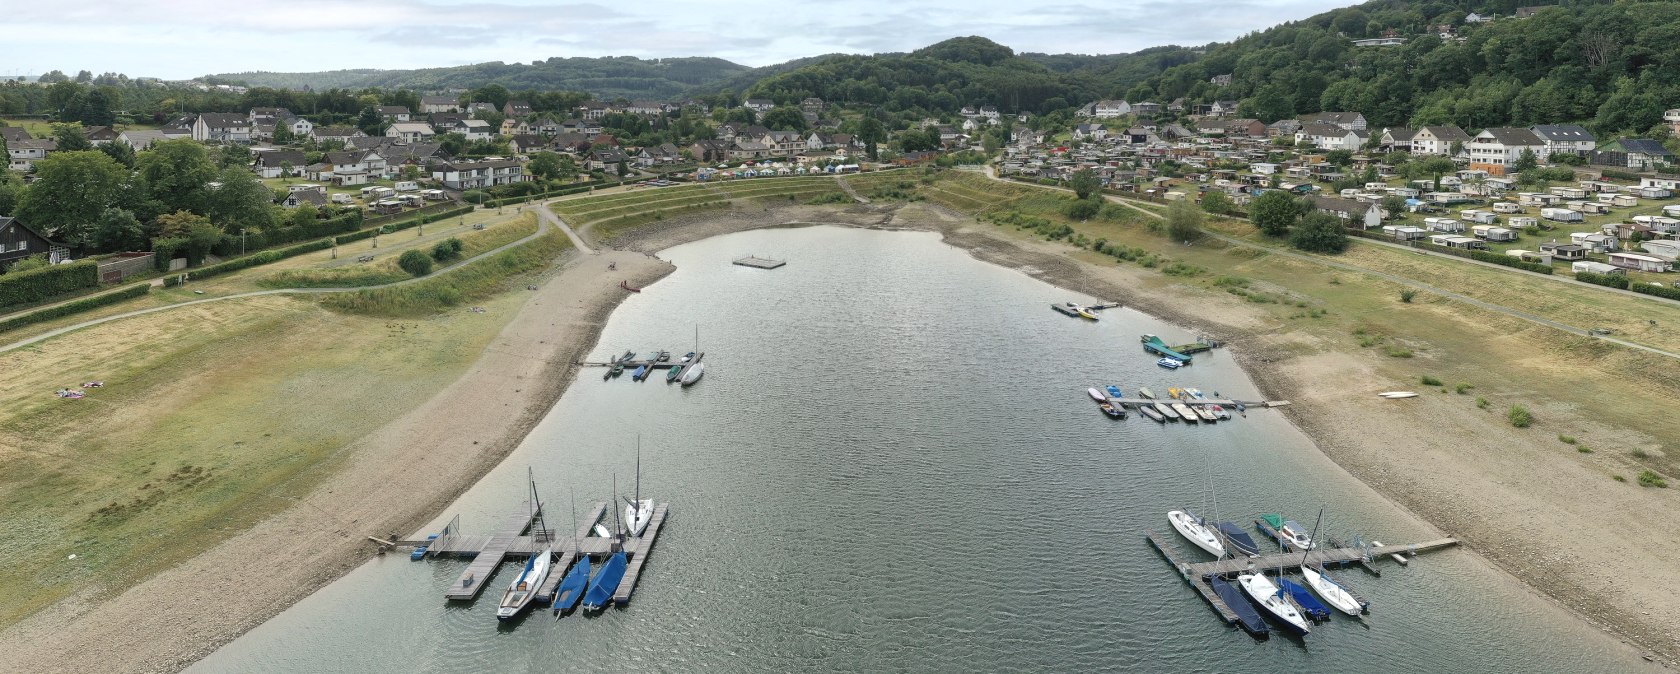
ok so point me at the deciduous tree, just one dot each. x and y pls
(1274, 211)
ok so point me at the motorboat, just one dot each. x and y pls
(1289, 532)
(1205, 413)
(1221, 413)
(1332, 592)
(1113, 411)
(1236, 539)
(1196, 529)
(664, 356)
(1185, 413)
(1144, 392)
(1151, 412)
(1170, 363)
(1166, 411)
(693, 373)
(1096, 394)
(688, 356)
(523, 589)
(1271, 600)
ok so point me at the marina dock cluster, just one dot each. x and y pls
(686, 369)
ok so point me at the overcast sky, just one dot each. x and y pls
(177, 39)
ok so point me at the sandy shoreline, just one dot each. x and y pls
(424, 461)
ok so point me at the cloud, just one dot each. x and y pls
(185, 38)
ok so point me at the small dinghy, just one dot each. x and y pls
(1149, 411)
(1113, 411)
(1185, 413)
(1170, 363)
(1096, 394)
(1114, 391)
(1144, 392)
(1221, 413)
(1166, 411)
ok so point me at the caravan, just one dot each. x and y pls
(1561, 215)
(1492, 233)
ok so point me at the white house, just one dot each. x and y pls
(1437, 140)
(1568, 138)
(1495, 149)
(1090, 132)
(1109, 109)
(411, 132)
(216, 127)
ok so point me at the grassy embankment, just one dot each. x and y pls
(1577, 387)
(384, 268)
(605, 216)
(216, 416)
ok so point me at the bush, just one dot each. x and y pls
(1481, 403)
(1508, 261)
(1407, 295)
(75, 307)
(1650, 478)
(1430, 381)
(1082, 209)
(1399, 352)
(255, 259)
(415, 263)
(1566, 439)
(1610, 280)
(25, 287)
(1640, 453)
(1463, 388)
(1519, 416)
(447, 249)
(473, 196)
(1659, 291)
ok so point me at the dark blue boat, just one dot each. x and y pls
(571, 589)
(601, 589)
(1247, 617)
(1311, 607)
(640, 373)
(1237, 539)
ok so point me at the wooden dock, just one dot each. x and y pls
(759, 262)
(1196, 574)
(644, 544)
(490, 553)
(1228, 404)
(569, 553)
(653, 364)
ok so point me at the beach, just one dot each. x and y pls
(1456, 468)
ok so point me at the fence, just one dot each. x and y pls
(123, 266)
(439, 207)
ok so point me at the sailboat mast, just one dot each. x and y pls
(1314, 536)
(638, 473)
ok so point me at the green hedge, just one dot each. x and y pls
(1611, 280)
(172, 280)
(1659, 291)
(1509, 261)
(25, 287)
(255, 259)
(574, 189)
(77, 306)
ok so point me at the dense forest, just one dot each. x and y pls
(1614, 66)
(606, 77)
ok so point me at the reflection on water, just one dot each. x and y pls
(891, 465)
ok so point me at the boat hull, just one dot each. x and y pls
(692, 374)
(636, 516)
(1271, 601)
(1191, 528)
(571, 589)
(605, 583)
(522, 592)
(1332, 592)
(1149, 411)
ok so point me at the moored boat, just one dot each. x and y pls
(1066, 308)
(1246, 615)
(1289, 532)
(1114, 391)
(688, 356)
(693, 373)
(1185, 413)
(1236, 539)
(1175, 393)
(1196, 530)
(1195, 393)
(606, 582)
(1205, 413)
(1309, 605)
(638, 510)
(1144, 392)
(1169, 363)
(1087, 314)
(1165, 411)
(1096, 394)
(524, 588)
(1271, 600)
(1333, 593)
(617, 369)
(673, 373)
(1220, 412)
(640, 373)
(570, 592)
(1149, 411)
(1113, 411)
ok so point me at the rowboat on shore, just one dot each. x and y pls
(1396, 395)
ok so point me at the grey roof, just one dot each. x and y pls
(277, 157)
(311, 196)
(1348, 206)
(1643, 146)
(1332, 117)
(11, 133)
(1512, 136)
(1563, 132)
(336, 131)
(1324, 129)
(1400, 132)
(1447, 134)
(222, 120)
(439, 100)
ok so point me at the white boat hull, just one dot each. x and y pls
(602, 530)
(636, 516)
(693, 373)
(1197, 533)
(1271, 600)
(523, 590)
(1333, 594)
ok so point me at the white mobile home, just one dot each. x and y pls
(1638, 262)
(1624, 201)
(1569, 192)
(1654, 193)
(1402, 233)
(407, 186)
(1521, 221)
(1530, 256)
(1594, 241)
(1493, 233)
(1478, 216)
(1538, 199)
(1463, 242)
(1658, 222)
(1672, 210)
(1448, 225)
(1507, 207)
(433, 195)
(1588, 207)
(1595, 268)
(1561, 215)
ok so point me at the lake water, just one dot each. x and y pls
(892, 465)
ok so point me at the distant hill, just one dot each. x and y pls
(605, 77)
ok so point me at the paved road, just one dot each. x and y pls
(991, 173)
(542, 228)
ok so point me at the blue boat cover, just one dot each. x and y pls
(601, 589)
(1311, 607)
(1238, 538)
(1246, 615)
(1115, 391)
(571, 589)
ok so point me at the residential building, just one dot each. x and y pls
(338, 133)
(394, 113)
(1253, 128)
(1223, 108)
(411, 132)
(141, 139)
(1109, 109)
(99, 135)
(759, 104)
(786, 143)
(1495, 149)
(431, 104)
(1330, 136)
(516, 108)
(593, 110)
(23, 154)
(11, 133)
(1221, 80)
(708, 151)
(748, 149)
(525, 143)
(473, 129)
(268, 115)
(660, 155)
(271, 164)
(1351, 121)
(1640, 154)
(218, 127)
(478, 108)
(478, 175)
(1397, 139)
(1568, 138)
(1438, 140)
(300, 127)
(606, 159)
(1095, 132)
(297, 198)
(1146, 109)
(1360, 214)
(646, 108)
(18, 241)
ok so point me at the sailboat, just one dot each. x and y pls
(1309, 605)
(1236, 539)
(524, 588)
(695, 371)
(1333, 593)
(1271, 600)
(639, 510)
(1195, 529)
(606, 582)
(1250, 620)
(571, 588)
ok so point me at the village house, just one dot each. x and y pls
(272, 164)
(659, 155)
(1568, 138)
(296, 198)
(1437, 140)
(708, 151)
(99, 135)
(394, 113)
(1146, 109)
(269, 115)
(410, 132)
(1351, 121)
(1352, 213)
(1640, 154)
(1495, 149)
(646, 108)
(300, 127)
(1095, 132)
(1330, 136)
(18, 241)
(593, 110)
(141, 139)
(1252, 128)
(473, 129)
(1109, 109)
(748, 149)
(516, 108)
(525, 143)
(338, 133)
(479, 174)
(760, 105)
(431, 104)
(14, 133)
(217, 127)
(1396, 139)
(23, 154)
(606, 159)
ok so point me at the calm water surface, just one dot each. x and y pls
(891, 465)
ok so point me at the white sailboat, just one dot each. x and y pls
(1195, 529)
(1271, 600)
(523, 590)
(1332, 592)
(693, 373)
(638, 510)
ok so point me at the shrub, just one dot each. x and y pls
(1082, 209)
(25, 287)
(1508, 261)
(1583, 449)
(1566, 439)
(1399, 352)
(1611, 280)
(1618, 478)
(415, 262)
(446, 250)
(1650, 478)
(1430, 381)
(1481, 402)
(1519, 416)
(1659, 291)
(1407, 295)
(255, 259)
(473, 196)
(75, 307)
(1640, 453)
(1463, 388)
